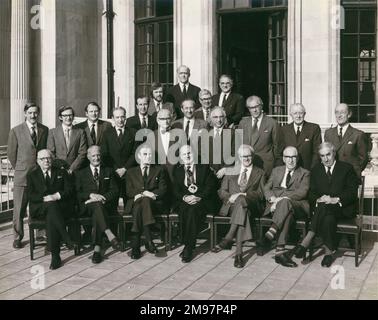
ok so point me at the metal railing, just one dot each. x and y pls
(6, 194)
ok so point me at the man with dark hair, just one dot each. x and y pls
(142, 120)
(24, 141)
(157, 103)
(183, 90)
(231, 102)
(67, 143)
(93, 127)
(49, 190)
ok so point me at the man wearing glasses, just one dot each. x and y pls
(203, 113)
(67, 143)
(263, 134)
(286, 194)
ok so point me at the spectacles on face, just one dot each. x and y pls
(164, 119)
(290, 157)
(67, 115)
(254, 107)
(246, 157)
(45, 159)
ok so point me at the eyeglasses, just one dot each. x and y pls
(166, 119)
(246, 157)
(254, 107)
(45, 159)
(67, 115)
(290, 157)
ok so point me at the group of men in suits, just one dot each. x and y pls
(160, 151)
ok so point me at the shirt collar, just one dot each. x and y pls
(182, 85)
(93, 168)
(345, 127)
(242, 168)
(332, 167)
(90, 123)
(65, 127)
(298, 126)
(31, 125)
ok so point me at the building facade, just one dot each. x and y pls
(317, 52)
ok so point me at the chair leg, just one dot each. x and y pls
(169, 236)
(212, 242)
(356, 249)
(121, 227)
(31, 239)
(166, 234)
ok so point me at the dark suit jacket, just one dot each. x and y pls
(234, 107)
(85, 185)
(37, 189)
(118, 154)
(165, 105)
(102, 126)
(74, 157)
(198, 124)
(307, 144)
(344, 184)
(351, 149)
(176, 96)
(156, 183)
(205, 182)
(267, 142)
(255, 191)
(135, 124)
(297, 190)
(198, 114)
(21, 151)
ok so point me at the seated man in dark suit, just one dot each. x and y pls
(286, 194)
(183, 90)
(48, 191)
(332, 196)
(194, 189)
(242, 196)
(142, 120)
(303, 135)
(97, 193)
(233, 103)
(146, 188)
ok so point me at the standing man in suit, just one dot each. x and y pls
(146, 189)
(303, 135)
(194, 189)
(67, 143)
(24, 141)
(332, 196)
(118, 148)
(350, 143)
(97, 193)
(157, 103)
(205, 100)
(189, 124)
(243, 197)
(233, 103)
(286, 194)
(263, 134)
(49, 188)
(183, 90)
(142, 120)
(93, 127)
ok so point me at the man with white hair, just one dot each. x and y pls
(303, 135)
(203, 113)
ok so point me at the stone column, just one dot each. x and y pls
(20, 60)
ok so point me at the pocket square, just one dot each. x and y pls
(106, 178)
(266, 131)
(59, 177)
(307, 140)
(350, 142)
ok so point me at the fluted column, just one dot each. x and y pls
(20, 60)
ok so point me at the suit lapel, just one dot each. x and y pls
(302, 135)
(346, 136)
(60, 136)
(73, 135)
(27, 133)
(252, 178)
(39, 133)
(294, 177)
(88, 132)
(259, 132)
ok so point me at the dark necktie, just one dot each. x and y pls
(47, 180)
(340, 133)
(34, 135)
(329, 174)
(187, 130)
(184, 92)
(189, 175)
(254, 125)
(145, 176)
(224, 100)
(93, 134)
(120, 135)
(298, 132)
(207, 113)
(144, 124)
(288, 178)
(95, 176)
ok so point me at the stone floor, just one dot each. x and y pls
(209, 276)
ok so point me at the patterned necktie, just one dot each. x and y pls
(224, 100)
(34, 135)
(243, 180)
(95, 176)
(144, 123)
(288, 178)
(340, 133)
(67, 137)
(158, 106)
(254, 125)
(189, 175)
(93, 134)
(329, 174)
(207, 114)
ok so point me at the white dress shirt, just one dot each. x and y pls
(93, 170)
(182, 87)
(30, 128)
(141, 119)
(221, 97)
(258, 121)
(344, 129)
(283, 183)
(90, 124)
(191, 125)
(165, 137)
(332, 167)
(193, 169)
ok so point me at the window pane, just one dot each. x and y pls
(163, 32)
(367, 43)
(349, 69)
(241, 3)
(163, 54)
(367, 93)
(367, 21)
(367, 114)
(227, 4)
(256, 3)
(164, 8)
(367, 70)
(354, 117)
(351, 21)
(350, 92)
(350, 46)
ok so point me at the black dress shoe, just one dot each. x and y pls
(135, 253)
(96, 258)
(187, 255)
(225, 244)
(56, 262)
(116, 244)
(299, 251)
(238, 262)
(285, 261)
(327, 260)
(17, 244)
(263, 246)
(150, 247)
